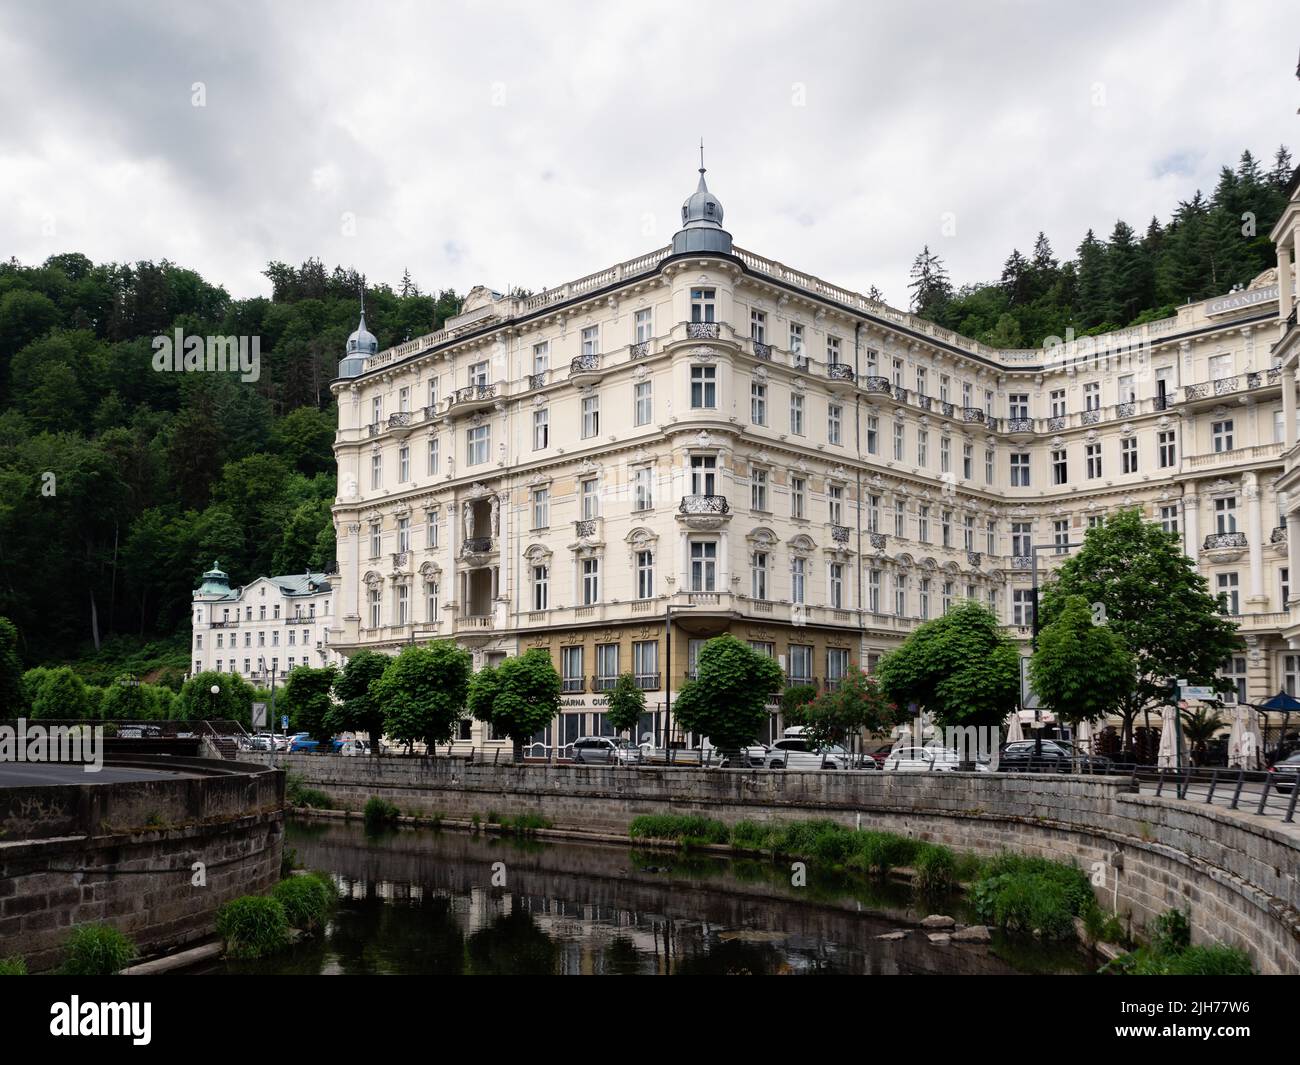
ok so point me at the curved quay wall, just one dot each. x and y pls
(1235, 872)
(123, 854)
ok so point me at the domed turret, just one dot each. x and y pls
(215, 582)
(361, 345)
(702, 222)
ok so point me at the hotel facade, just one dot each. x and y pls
(702, 440)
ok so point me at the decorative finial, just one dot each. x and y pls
(701, 155)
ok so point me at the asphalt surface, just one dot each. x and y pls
(32, 774)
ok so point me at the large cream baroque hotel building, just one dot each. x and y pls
(702, 440)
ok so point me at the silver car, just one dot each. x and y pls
(926, 760)
(791, 752)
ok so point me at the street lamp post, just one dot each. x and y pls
(215, 690)
(669, 610)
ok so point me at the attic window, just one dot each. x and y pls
(708, 208)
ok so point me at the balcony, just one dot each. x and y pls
(474, 395)
(1022, 561)
(946, 408)
(840, 534)
(1236, 455)
(923, 402)
(762, 351)
(1278, 535)
(1209, 391)
(878, 384)
(1055, 425)
(639, 351)
(878, 540)
(702, 330)
(1125, 410)
(401, 561)
(584, 367)
(585, 528)
(603, 684)
(1218, 541)
(703, 505)
(372, 429)
(570, 685)
(400, 420)
(972, 414)
(1091, 417)
(536, 381)
(648, 682)
(840, 372)
(974, 558)
(1019, 426)
(900, 393)
(431, 412)
(476, 545)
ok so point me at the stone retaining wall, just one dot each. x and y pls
(1234, 871)
(123, 854)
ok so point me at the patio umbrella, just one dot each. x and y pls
(1283, 703)
(1238, 744)
(1083, 736)
(1014, 732)
(1168, 755)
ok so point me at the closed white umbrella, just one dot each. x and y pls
(1167, 758)
(1238, 743)
(1255, 751)
(1083, 736)
(1014, 732)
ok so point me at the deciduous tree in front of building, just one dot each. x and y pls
(1148, 592)
(232, 702)
(519, 698)
(306, 699)
(961, 668)
(423, 692)
(1082, 670)
(858, 705)
(357, 708)
(728, 699)
(626, 705)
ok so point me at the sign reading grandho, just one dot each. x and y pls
(1235, 301)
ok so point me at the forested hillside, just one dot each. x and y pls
(120, 484)
(1207, 247)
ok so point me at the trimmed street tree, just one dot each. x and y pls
(518, 698)
(423, 692)
(59, 693)
(357, 709)
(1082, 670)
(306, 698)
(727, 700)
(626, 705)
(126, 699)
(233, 701)
(856, 705)
(1155, 601)
(961, 668)
(794, 701)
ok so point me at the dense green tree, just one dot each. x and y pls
(13, 699)
(1154, 600)
(520, 697)
(728, 699)
(356, 708)
(233, 700)
(306, 699)
(1082, 669)
(856, 706)
(961, 668)
(61, 694)
(626, 705)
(126, 699)
(423, 692)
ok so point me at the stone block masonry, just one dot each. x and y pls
(123, 854)
(1233, 871)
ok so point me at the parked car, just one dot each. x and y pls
(353, 748)
(303, 742)
(1056, 756)
(139, 732)
(933, 759)
(791, 752)
(595, 750)
(1286, 772)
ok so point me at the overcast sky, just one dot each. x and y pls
(530, 144)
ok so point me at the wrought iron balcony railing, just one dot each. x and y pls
(878, 540)
(639, 351)
(1020, 425)
(536, 381)
(923, 402)
(476, 545)
(1125, 410)
(762, 351)
(1191, 392)
(401, 559)
(702, 331)
(470, 393)
(603, 684)
(573, 684)
(1055, 425)
(1091, 417)
(648, 682)
(1232, 539)
(704, 505)
(974, 558)
(401, 418)
(900, 393)
(840, 371)
(840, 534)
(585, 527)
(430, 412)
(1022, 561)
(946, 408)
(1278, 535)
(972, 414)
(372, 429)
(584, 364)
(878, 384)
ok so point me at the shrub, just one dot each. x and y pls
(1171, 932)
(687, 829)
(750, 835)
(288, 862)
(253, 926)
(97, 950)
(13, 966)
(296, 793)
(379, 813)
(523, 824)
(1210, 961)
(307, 899)
(935, 870)
(1032, 895)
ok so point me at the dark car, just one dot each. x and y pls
(1055, 756)
(1286, 772)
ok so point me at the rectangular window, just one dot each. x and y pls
(541, 508)
(1018, 406)
(591, 340)
(433, 455)
(403, 604)
(832, 351)
(796, 343)
(1221, 435)
(1021, 539)
(403, 534)
(431, 527)
(873, 513)
(798, 489)
(834, 419)
(898, 442)
(476, 445)
(606, 665)
(798, 579)
(404, 399)
(376, 470)
(590, 416)
(922, 447)
(1092, 460)
(837, 666)
(1225, 514)
(1060, 472)
(758, 574)
(643, 324)
(1019, 469)
(375, 603)
(643, 403)
(704, 387)
(403, 464)
(945, 455)
(1167, 448)
(645, 574)
(541, 357)
(589, 489)
(758, 403)
(704, 565)
(873, 591)
(1092, 396)
(1128, 455)
(801, 660)
(571, 675)
(704, 475)
(702, 304)
(433, 392)
(1229, 593)
(836, 585)
(478, 374)
(1061, 535)
(375, 548)
(541, 429)
(758, 490)
(923, 524)
(873, 435)
(758, 326)
(900, 595)
(1057, 399)
(643, 488)
(945, 527)
(796, 414)
(645, 664)
(1022, 607)
(988, 466)
(1169, 519)
(835, 504)
(590, 581)
(920, 381)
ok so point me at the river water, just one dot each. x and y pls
(416, 901)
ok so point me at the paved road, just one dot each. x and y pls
(32, 774)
